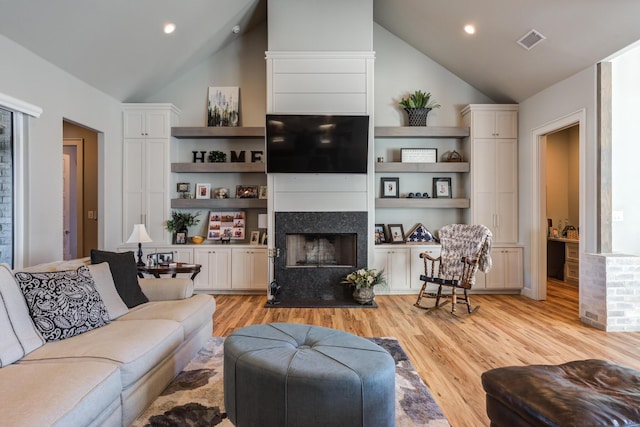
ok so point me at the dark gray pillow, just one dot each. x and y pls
(125, 275)
(63, 303)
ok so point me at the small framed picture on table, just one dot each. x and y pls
(396, 233)
(389, 187)
(379, 234)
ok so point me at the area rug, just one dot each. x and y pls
(195, 397)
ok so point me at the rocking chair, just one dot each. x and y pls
(465, 249)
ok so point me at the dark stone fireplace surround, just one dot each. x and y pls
(318, 286)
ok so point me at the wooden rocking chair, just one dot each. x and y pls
(465, 249)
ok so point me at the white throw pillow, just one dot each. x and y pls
(19, 335)
(105, 286)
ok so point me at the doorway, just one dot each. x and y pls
(540, 227)
(80, 190)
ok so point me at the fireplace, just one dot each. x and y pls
(317, 249)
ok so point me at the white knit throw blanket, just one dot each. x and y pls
(462, 240)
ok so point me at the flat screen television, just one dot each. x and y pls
(316, 143)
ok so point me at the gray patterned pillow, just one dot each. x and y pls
(63, 303)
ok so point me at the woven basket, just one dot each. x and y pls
(572, 234)
(417, 116)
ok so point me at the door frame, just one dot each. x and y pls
(539, 229)
(78, 144)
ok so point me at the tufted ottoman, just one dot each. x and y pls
(580, 393)
(284, 374)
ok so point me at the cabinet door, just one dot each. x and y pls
(249, 268)
(484, 124)
(507, 271)
(484, 183)
(417, 266)
(215, 273)
(506, 124)
(394, 262)
(506, 191)
(157, 124)
(134, 124)
(157, 184)
(134, 203)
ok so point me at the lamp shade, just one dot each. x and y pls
(139, 234)
(262, 221)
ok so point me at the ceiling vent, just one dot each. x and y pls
(531, 39)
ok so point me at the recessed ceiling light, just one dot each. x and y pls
(169, 27)
(469, 29)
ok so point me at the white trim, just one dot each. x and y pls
(19, 191)
(15, 104)
(538, 190)
(320, 55)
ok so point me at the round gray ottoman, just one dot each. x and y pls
(285, 374)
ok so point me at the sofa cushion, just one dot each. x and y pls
(191, 313)
(137, 346)
(19, 335)
(57, 393)
(125, 275)
(63, 303)
(103, 280)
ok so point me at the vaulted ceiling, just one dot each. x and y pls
(118, 46)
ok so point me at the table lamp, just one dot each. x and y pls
(141, 236)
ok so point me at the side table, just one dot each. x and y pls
(172, 268)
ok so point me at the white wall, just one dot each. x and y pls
(28, 77)
(327, 25)
(562, 99)
(626, 151)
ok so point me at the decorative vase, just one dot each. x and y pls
(417, 116)
(364, 295)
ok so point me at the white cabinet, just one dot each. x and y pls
(147, 130)
(179, 254)
(402, 266)
(490, 123)
(215, 273)
(494, 169)
(507, 271)
(249, 268)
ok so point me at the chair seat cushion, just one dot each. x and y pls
(579, 393)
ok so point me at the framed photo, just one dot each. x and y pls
(181, 238)
(225, 226)
(263, 192)
(389, 187)
(264, 238)
(255, 238)
(419, 155)
(246, 191)
(223, 106)
(164, 257)
(183, 187)
(396, 233)
(379, 234)
(203, 191)
(442, 188)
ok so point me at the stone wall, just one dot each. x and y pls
(610, 291)
(6, 187)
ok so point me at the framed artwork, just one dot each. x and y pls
(255, 238)
(226, 225)
(246, 191)
(264, 238)
(164, 257)
(183, 187)
(396, 233)
(379, 234)
(419, 155)
(442, 188)
(389, 187)
(181, 238)
(223, 106)
(203, 191)
(263, 192)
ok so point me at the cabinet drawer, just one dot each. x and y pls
(573, 252)
(571, 271)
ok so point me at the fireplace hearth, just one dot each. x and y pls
(317, 250)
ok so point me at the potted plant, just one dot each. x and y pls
(363, 281)
(417, 105)
(179, 223)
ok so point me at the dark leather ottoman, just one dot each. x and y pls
(580, 393)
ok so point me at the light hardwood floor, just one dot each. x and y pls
(451, 354)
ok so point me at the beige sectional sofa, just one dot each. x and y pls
(105, 376)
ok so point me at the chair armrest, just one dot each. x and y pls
(166, 288)
(469, 261)
(429, 257)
